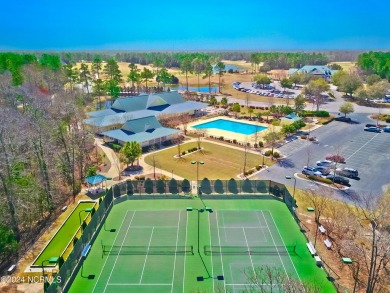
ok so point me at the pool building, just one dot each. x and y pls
(135, 118)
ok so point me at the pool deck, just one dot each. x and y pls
(251, 138)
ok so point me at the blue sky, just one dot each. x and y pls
(194, 25)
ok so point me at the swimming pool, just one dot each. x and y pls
(233, 126)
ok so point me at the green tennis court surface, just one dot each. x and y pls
(159, 246)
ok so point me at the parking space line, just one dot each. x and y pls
(362, 146)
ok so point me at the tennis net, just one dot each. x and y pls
(248, 250)
(146, 250)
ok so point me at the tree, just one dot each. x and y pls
(112, 71)
(295, 78)
(208, 73)
(173, 187)
(146, 74)
(129, 187)
(250, 112)
(350, 83)
(372, 92)
(286, 83)
(96, 67)
(198, 66)
(224, 101)
(186, 67)
(186, 186)
(134, 76)
(220, 67)
(372, 79)
(85, 76)
(149, 186)
(319, 200)
(299, 104)
(338, 76)
(112, 87)
(272, 138)
(236, 108)
(346, 108)
(98, 90)
(131, 151)
(8, 243)
(164, 76)
(315, 88)
(335, 66)
(71, 75)
(262, 79)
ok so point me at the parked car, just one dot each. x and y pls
(324, 170)
(310, 171)
(326, 163)
(338, 179)
(373, 129)
(386, 129)
(343, 119)
(347, 172)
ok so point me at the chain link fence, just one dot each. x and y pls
(159, 189)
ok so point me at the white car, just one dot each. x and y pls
(310, 171)
(326, 163)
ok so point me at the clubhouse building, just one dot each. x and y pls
(316, 70)
(135, 118)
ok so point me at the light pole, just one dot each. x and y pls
(295, 183)
(349, 261)
(197, 173)
(88, 210)
(52, 260)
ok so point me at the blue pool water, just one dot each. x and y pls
(227, 125)
(203, 89)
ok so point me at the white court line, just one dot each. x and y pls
(185, 256)
(146, 257)
(284, 245)
(220, 250)
(124, 218)
(211, 256)
(137, 284)
(273, 240)
(223, 221)
(174, 262)
(116, 259)
(250, 255)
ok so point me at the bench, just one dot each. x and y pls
(328, 244)
(309, 209)
(64, 208)
(11, 269)
(85, 251)
(322, 229)
(311, 248)
(318, 261)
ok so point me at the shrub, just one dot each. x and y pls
(160, 186)
(142, 177)
(232, 186)
(173, 186)
(167, 143)
(149, 186)
(388, 119)
(258, 167)
(183, 153)
(320, 179)
(255, 145)
(247, 186)
(276, 155)
(261, 144)
(262, 186)
(268, 153)
(205, 186)
(186, 186)
(303, 137)
(321, 113)
(129, 187)
(218, 186)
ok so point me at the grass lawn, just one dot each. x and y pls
(59, 242)
(220, 162)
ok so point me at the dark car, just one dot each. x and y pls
(386, 129)
(347, 172)
(343, 119)
(338, 179)
(371, 125)
(373, 129)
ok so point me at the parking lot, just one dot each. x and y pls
(367, 152)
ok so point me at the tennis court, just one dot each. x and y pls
(241, 241)
(148, 254)
(163, 246)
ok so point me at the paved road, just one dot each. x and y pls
(367, 152)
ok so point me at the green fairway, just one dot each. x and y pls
(220, 162)
(61, 239)
(159, 246)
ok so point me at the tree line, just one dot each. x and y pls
(44, 147)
